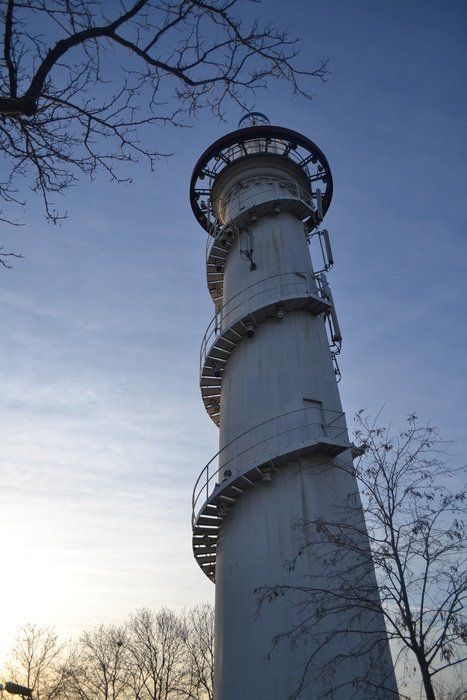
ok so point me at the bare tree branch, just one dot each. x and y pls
(65, 109)
(5, 258)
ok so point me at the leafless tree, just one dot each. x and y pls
(153, 656)
(40, 662)
(99, 667)
(157, 661)
(82, 81)
(416, 532)
(199, 648)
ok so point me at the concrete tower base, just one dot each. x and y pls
(268, 654)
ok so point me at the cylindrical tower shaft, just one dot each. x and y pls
(268, 379)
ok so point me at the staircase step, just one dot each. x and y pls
(209, 381)
(207, 564)
(211, 392)
(210, 548)
(232, 335)
(202, 536)
(212, 401)
(207, 528)
(206, 558)
(228, 499)
(217, 250)
(240, 328)
(217, 360)
(214, 280)
(223, 342)
(208, 520)
(224, 353)
(210, 509)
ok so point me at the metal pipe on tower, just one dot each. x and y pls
(268, 377)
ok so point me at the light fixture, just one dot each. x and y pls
(16, 689)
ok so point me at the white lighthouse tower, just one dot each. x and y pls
(268, 375)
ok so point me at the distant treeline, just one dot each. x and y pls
(155, 655)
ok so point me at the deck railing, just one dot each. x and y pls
(272, 289)
(250, 192)
(265, 442)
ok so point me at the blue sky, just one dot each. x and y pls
(103, 428)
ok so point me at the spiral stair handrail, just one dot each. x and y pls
(305, 284)
(330, 426)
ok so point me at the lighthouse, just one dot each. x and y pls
(269, 380)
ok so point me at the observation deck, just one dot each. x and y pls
(238, 148)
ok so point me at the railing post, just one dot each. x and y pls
(324, 421)
(309, 428)
(274, 428)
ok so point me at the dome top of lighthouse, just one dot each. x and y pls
(253, 119)
(257, 137)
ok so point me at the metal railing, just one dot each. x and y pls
(282, 189)
(274, 289)
(261, 145)
(257, 190)
(255, 145)
(267, 441)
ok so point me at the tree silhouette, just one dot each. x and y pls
(82, 82)
(154, 655)
(413, 517)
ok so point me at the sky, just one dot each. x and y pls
(103, 431)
